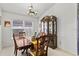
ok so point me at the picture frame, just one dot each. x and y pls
(7, 24)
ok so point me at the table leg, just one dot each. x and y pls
(27, 51)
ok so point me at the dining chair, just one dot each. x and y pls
(40, 46)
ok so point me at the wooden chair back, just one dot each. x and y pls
(42, 45)
(15, 45)
(22, 34)
(16, 38)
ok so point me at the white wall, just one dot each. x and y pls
(7, 32)
(67, 25)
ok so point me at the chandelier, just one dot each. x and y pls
(31, 11)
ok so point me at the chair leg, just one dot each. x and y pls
(15, 52)
(23, 51)
(26, 52)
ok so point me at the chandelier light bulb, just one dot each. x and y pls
(31, 11)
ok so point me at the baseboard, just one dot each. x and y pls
(67, 51)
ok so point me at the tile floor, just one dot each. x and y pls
(51, 52)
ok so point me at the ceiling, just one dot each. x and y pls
(21, 8)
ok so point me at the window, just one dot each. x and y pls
(22, 26)
(20, 23)
(17, 23)
(27, 24)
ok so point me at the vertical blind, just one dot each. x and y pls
(17, 23)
